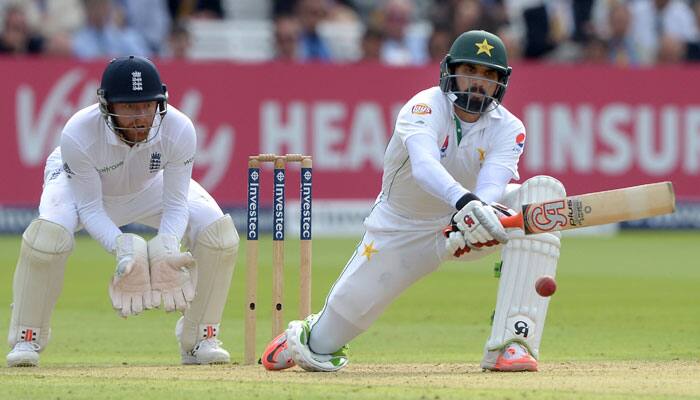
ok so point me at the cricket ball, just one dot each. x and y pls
(545, 286)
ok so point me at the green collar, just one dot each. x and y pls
(458, 127)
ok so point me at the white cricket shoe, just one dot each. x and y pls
(24, 354)
(205, 352)
(297, 335)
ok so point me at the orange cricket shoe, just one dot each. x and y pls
(515, 358)
(276, 356)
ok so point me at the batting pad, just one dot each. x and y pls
(215, 251)
(38, 281)
(520, 311)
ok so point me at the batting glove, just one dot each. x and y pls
(478, 223)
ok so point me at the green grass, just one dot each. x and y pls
(633, 298)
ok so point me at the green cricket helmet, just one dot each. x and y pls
(479, 48)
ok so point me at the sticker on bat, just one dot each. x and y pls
(546, 216)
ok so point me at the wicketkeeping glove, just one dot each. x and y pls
(130, 287)
(171, 279)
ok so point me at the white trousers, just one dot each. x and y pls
(394, 253)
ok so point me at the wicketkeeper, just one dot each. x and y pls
(128, 159)
(454, 150)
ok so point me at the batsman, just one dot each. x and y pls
(447, 169)
(128, 158)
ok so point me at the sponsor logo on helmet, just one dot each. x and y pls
(421, 109)
(136, 81)
(483, 47)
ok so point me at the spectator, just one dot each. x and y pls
(181, 10)
(671, 50)
(151, 19)
(654, 19)
(17, 37)
(287, 34)
(439, 44)
(622, 50)
(693, 50)
(474, 14)
(102, 37)
(399, 48)
(179, 43)
(55, 17)
(595, 50)
(372, 44)
(311, 44)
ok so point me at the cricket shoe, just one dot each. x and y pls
(514, 358)
(206, 351)
(24, 354)
(298, 333)
(277, 356)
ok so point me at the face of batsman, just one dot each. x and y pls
(132, 99)
(479, 83)
(474, 74)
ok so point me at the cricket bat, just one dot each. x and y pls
(597, 208)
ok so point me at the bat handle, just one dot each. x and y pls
(514, 221)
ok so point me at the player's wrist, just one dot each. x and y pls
(466, 199)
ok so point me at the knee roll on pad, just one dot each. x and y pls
(38, 280)
(537, 188)
(215, 253)
(520, 311)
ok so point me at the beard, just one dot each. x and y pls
(475, 100)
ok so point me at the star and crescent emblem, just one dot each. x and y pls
(484, 47)
(369, 249)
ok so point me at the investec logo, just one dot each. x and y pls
(278, 225)
(306, 205)
(253, 189)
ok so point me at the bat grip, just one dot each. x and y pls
(514, 221)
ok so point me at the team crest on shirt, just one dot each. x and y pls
(482, 156)
(519, 142)
(154, 165)
(443, 149)
(421, 109)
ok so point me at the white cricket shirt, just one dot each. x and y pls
(497, 139)
(102, 168)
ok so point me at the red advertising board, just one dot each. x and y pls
(594, 128)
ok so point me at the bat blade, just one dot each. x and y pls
(597, 208)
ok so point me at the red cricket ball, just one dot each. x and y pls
(545, 286)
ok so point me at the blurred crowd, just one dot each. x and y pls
(393, 32)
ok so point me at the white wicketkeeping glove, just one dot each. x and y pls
(130, 288)
(480, 225)
(170, 273)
